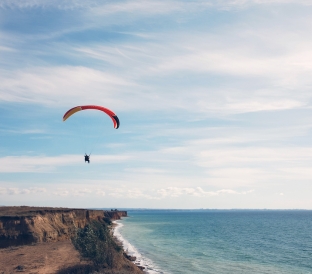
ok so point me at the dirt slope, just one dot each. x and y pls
(41, 258)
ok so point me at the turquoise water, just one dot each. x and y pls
(220, 241)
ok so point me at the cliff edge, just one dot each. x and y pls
(41, 240)
(27, 225)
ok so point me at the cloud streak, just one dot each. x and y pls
(16, 164)
(198, 192)
(260, 71)
(123, 193)
(59, 85)
(19, 191)
(141, 6)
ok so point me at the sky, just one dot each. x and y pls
(214, 100)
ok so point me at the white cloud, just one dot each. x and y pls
(81, 192)
(100, 192)
(61, 192)
(13, 191)
(250, 156)
(122, 192)
(145, 170)
(256, 50)
(60, 85)
(3, 190)
(162, 193)
(29, 4)
(14, 164)
(23, 131)
(19, 191)
(6, 49)
(175, 191)
(141, 7)
(260, 70)
(145, 7)
(198, 191)
(239, 2)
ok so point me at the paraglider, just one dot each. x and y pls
(87, 158)
(110, 113)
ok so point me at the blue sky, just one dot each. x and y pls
(214, 100)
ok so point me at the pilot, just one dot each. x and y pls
(87, 158)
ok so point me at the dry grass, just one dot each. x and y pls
(40, 258)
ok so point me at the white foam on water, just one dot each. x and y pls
(149, 265)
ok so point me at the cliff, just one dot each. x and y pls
(115, 214)
(27, 225)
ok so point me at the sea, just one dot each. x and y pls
(219, 241)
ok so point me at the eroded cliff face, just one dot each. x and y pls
(46, 225)
(115, 214)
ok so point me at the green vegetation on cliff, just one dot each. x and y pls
(95, 242)
(102, 253)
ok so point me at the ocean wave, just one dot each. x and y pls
(141, 260)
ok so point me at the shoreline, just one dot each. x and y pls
(129, 249)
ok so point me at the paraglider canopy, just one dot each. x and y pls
(111, 114)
